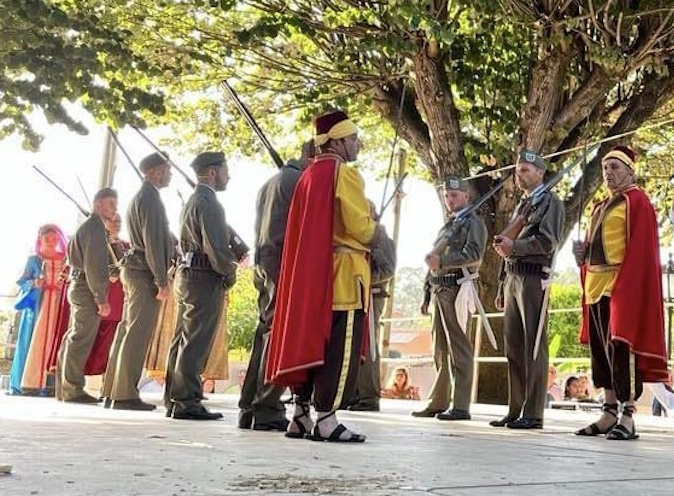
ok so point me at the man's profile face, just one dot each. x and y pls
(455, 199)
(528, 176)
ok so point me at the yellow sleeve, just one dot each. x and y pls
(353, 206)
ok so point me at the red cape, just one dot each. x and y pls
(303, 312)
(636, 310)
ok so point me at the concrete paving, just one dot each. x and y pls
(62, 449)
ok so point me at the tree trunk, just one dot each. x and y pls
(436, 103)
(543, 99)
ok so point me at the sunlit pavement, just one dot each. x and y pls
(65, 449)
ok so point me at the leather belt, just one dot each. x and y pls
(196, 260)
(526, 268)
(446, 280)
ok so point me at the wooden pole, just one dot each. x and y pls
(384, 346)
(109, 162)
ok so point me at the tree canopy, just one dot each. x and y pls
(481, 79)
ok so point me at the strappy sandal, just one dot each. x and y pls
(620, 432)
(301, 430)
(334, 436)
(593, 429)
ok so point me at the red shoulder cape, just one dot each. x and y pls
(303, 312)
(636, 310)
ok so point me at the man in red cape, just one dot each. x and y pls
(623, 318)
(324, 285)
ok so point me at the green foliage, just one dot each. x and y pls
(142, 61)
(409, 294)
(62, 50)
(564, 327)
(242, 315)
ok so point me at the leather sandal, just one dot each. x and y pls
(334, 436)
(619, 431)
(593, 429)
(301, 430)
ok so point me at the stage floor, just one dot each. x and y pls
(64, 449)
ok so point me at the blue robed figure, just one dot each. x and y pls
(28, 303)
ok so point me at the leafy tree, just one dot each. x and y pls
(481, 78)
(62, 50)
(242, 315)
(566, 325)
(409, 293)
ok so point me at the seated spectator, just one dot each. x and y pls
(572, 390)
(585, 386)
(554, 390)
(400, 386)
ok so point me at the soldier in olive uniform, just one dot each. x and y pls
(144, 276)
(207, 271)
(455, 249)
(527, 268)
(88, 297)
(383, 256)
(260, 404)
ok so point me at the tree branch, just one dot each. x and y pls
(544, 86)
(656, 92)
(412, 127)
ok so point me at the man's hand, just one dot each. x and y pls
(424, 308)
(104, 309)
(39, 282)
(579, 248)
(433, 261)
(503, 245)
(163, 293)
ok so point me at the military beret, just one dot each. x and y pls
(208, 159)
(456, 183)
(533, 158)
(153, 160)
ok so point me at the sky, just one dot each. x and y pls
(28, 201)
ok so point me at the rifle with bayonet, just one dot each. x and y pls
(468, 278)
(236, 243)
(82, 210)
(514, 228)
(251, 122)
(464, 214)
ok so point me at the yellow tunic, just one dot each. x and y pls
(600, 279)
(353, 231)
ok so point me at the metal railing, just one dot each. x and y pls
(477, 345)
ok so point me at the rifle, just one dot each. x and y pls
(669, 270)
(251, 122)
(236, 244)
(128, 158)
(531, 203)
(463, 215)
(82, 210)
(395, 190)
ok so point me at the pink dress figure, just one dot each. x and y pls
(52, 247)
